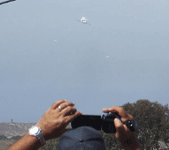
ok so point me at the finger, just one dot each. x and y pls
(65, 105)
(117, 109)
(72, 117)
(68, 110)
(72, 112)
(107, 109)
(120, 111)
(118, 124)
(112, 109)
(56, 104)
(126, 128)
(119, 127)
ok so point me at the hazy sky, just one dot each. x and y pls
(46, 55)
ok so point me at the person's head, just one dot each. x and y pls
(82, 138)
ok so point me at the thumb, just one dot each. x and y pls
(118, 124)
(119, 127)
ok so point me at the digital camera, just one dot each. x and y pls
(104, 122)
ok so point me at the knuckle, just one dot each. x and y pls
(59, 121)
(69, 108)
(70, 104)
(116, 109)
(55, 104)
(66, 104)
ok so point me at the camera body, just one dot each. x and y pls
(104, 122)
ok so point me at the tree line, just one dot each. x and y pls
(152, 126)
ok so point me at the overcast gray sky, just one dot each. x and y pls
(46, 55)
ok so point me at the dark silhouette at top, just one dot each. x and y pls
(6, 2)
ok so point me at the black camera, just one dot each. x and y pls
(104, 122)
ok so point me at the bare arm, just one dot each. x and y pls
(26, 143)
(53, 124)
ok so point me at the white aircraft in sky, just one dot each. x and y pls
(84, 20)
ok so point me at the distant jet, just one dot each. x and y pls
(6, 2)
(84, 20)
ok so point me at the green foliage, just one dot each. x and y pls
(153, 126)
(153, 122)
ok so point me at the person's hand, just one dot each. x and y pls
(123, 134)
(53, 123)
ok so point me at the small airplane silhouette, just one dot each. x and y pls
(83, 20)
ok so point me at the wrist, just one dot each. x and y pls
(33, 140)
(36, 132)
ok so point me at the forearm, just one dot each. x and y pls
(131, 145)
(132, 148)
(26, 143)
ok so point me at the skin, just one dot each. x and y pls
(123, 134)
(53, 124)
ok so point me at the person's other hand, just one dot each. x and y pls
(123, 134)
(53, 123)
